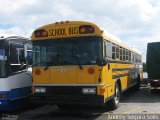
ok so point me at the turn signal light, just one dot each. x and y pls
(84, 29)
(91, 70)
(102, 90)
(41, 33)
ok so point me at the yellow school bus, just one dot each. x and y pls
(76, 63)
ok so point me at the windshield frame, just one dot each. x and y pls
(89, 39)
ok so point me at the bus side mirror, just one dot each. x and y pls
(101, 62)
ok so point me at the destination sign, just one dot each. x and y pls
(63, 31)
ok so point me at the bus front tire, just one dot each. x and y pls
(114, 102)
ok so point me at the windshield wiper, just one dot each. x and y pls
(77, 60)
(48, 64)
(46, 67)
(80, 66)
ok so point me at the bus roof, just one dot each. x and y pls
(65, 23)
(13, 37)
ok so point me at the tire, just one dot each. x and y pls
(114, 102)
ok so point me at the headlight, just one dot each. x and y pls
(89, 90)
(40, 90)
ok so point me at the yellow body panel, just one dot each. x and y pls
(43, 78)
(66, 75)
(85, 78)
(63, 75)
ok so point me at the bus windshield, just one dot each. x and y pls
(3, 59)
(67, 51)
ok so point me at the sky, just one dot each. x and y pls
(135, 22)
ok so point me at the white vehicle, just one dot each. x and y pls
(15, 78)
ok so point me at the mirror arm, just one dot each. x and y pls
(108, 66)
(99, 78)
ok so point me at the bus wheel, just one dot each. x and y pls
(114, 102)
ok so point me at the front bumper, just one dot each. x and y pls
(68, 95)
(90, 100)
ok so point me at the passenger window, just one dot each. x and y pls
(132, 57)
(105, 52)
(124, 54)
(108, 49)
(17, 57)
(136, 58)
(113, 51)
(117, 52)
(139, 58)
(127, 55)
(121, 54)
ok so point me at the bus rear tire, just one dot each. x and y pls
(114, 102)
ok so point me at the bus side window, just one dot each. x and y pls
(113, 51)
(108, 49)
(127, 55)
(104, 50)
(124, 54)
(121, 54)
(117, 52)
(136, 58)
(17, 57)
(140, 58)
(131, 56)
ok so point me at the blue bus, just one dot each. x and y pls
(15, 78)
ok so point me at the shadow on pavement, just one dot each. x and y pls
(76, 113)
